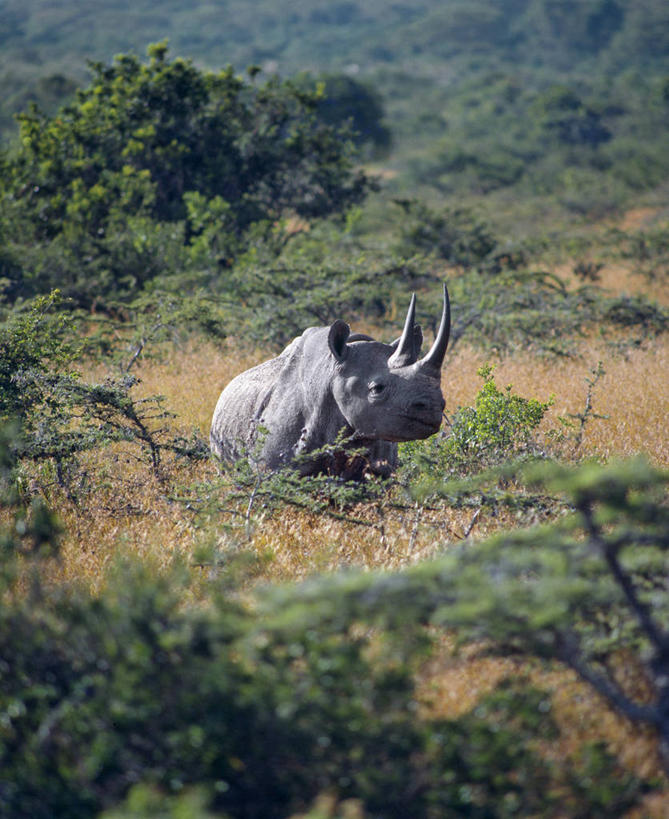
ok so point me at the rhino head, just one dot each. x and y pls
(385, 391)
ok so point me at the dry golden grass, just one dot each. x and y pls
(133, 514)
(633, 393)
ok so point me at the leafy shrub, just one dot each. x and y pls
(262, 708)
(456, 235)
(280, 285)
(31, 530)
(100, 190)
(500, 427)
(62, 416)
(648, 250)
(500, 423)
(588, 590)
(566, 118)
(348, 102)
(34, 339)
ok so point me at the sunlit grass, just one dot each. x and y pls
(131, 512)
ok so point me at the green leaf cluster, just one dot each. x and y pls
(36, 338)
(500, 427)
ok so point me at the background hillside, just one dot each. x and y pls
(580, 36)
(476, 94)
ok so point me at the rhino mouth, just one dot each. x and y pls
(423, 429)
(417, 427)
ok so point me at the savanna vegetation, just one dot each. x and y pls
(486, 632)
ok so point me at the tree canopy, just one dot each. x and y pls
(129, 172)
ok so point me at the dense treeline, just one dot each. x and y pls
(568, 98)
(108, 192)
(561, 35)
(163, 184)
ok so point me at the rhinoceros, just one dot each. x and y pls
(330, 383)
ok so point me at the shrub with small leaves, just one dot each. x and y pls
(61, 415)
(500, 427)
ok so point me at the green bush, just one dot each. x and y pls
(588, 590)
(349, 102)
(499, 428)
(99, 191)
(499, 425)
(60, 415)
(456, 235)
(37, 338)
(263, 708)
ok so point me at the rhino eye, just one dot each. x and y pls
(377, 389)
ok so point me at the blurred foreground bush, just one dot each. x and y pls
(266, 707)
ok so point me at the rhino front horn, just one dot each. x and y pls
(432, 362)
(405, 352)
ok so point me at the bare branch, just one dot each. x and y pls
(609, 551)
(568, 651)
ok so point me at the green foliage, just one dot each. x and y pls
(60, 415)
(261, 708)
(563, 116)
(469, 88)
(588, 590)
(499, 428)
(144, 802)
(32, 531)
(347, 101)
(499, 425)
(102, 188)
(157, 316)
(648, 250)
(290, 277)
(455, 234)
(534, 309)
(317, 278)
(35, 339)
(583, 590)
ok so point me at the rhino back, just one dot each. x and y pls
(235, 417)
(269, 397)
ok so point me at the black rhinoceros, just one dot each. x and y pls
(328, 382)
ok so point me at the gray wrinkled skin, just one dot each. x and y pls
(327, 381)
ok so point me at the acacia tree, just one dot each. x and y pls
(102, 187)
(589, 590)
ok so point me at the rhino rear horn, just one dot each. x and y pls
(417, 339)
(405, 352)
(432, 362)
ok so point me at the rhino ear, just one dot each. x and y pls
(417, 339)
(337, 337)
